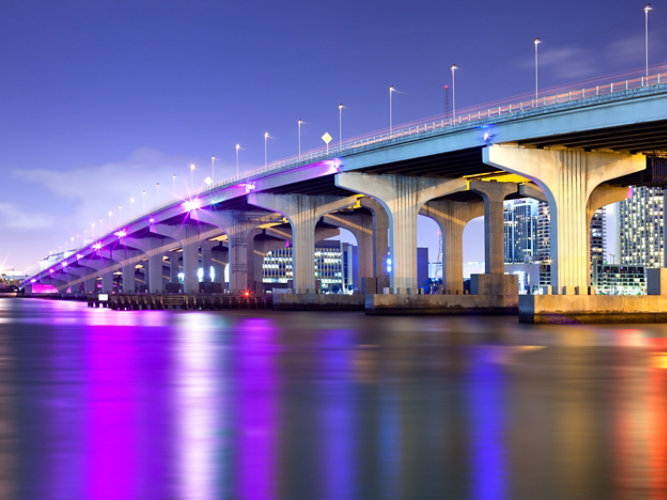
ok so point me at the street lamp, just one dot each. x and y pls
(340, 126)
(391, 91)
(237, 147)
(266, 150)
(173, 185)
(537, 41)
(299, 123)
(110, 214)
(157, 194)
(453, 67)
(212, 169)
(192, 169)
(647, 9)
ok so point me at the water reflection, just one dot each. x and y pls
(169, 405)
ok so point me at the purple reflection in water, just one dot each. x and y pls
(257, 416)
(111, 417)
(64, 462)
(337, 415)
(485, 397)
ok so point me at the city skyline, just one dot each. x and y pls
(103, 102)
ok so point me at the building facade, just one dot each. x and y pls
(640, 228)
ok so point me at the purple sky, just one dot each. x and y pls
(101, 100)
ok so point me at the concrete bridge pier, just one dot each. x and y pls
(187, 236)
(90, 285)
(567, 178)
(303, 212)
(452, 217)
(494, 281)
(380, 241)
(402, 197)
(361, 226)
(174, 267)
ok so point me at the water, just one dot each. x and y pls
(98, 404)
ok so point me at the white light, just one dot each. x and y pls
(190, 205)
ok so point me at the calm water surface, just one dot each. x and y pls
(99, 404)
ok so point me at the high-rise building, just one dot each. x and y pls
(520, 231)
(640, 228)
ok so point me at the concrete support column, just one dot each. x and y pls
(107, 282)
(303, 212)
(155, 281)
(190, 267)
(90, 285)
(129, 277)
(361, 226)
(567, 178)
(380, 241)
(220, 258)
(402, 197)
(452, 217)
(174, 266)
(493, 194)
(207, 258)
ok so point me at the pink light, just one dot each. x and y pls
(64, 264)
(38, 288)
(97, 246)
(33, 280)
(121, 234)
(151, 220)
(51, 271)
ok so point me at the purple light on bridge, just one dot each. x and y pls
(151, 220)
(39, 288)
(64, 264)
(121, 234)
(97, 246)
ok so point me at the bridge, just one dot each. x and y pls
(576, 149)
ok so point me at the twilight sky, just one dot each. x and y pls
(103, 99)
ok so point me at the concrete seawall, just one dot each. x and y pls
(317, 302)
(592, 308)
(441, 304)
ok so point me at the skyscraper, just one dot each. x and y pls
(640, 228)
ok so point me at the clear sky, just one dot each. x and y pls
(102, 99)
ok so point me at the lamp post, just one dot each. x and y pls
(157, 194)
(453, 67)
(391, 91)
(110, 214)
(537, 41)
(132, 208)
(647, 9)
(192, 169)
(237, 147)
(266, 150)
(340, 126)
(173, 185)
(212, 169)
(298, 124)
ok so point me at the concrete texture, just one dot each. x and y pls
(494, 284)
(592, 308)
(441, 304)
(317, 302)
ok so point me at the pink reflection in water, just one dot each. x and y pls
(198, 436)
(257, 414)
